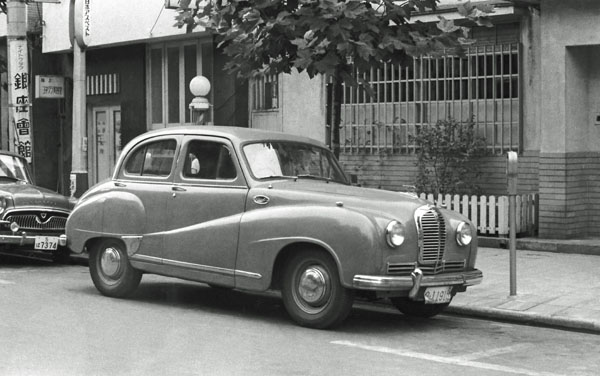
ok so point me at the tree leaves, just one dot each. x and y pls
(322, 36)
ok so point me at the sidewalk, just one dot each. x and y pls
(556, 289)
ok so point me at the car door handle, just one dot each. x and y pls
(178, 189)
(261, 200)
(117, 184)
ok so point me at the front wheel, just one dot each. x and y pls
(418, 309)
(110, 269)
(311, 290)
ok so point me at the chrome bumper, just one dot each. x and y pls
(25, 239)
(415, 281)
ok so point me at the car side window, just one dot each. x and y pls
(208, 160)
(152, 159)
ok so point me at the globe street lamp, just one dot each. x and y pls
(200, 87)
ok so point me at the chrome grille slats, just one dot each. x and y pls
(432, 235)
(38, 220)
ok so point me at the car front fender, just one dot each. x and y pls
(350, 237)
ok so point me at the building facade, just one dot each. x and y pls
(530, 84)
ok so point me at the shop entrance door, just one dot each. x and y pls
(106, 130)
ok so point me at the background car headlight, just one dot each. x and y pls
(394, 234)
(464, 235)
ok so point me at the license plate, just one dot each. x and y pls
(46, 243)
(438, 295)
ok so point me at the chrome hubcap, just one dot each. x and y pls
(110, 262)
(313, 285)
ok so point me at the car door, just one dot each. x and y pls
(207, 200)
(147, 176)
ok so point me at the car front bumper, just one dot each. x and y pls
(416, 281)
(26, 239)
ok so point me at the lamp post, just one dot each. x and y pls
(200, 87)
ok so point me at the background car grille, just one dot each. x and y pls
(36, 220)
(432, 235)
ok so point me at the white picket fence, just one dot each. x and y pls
(490, 213)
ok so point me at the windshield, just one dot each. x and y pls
(292, 159)
(13, 168)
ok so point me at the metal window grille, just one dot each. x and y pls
(103, 84)
(265, 92)
(483, 86)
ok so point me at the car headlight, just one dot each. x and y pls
(394, 234)
(464, 235)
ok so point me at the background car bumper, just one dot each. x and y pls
(416, 281)
(26, 239)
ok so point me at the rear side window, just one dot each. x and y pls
(208, 160)
(152, 159)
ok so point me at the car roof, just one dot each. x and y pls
(235, 134)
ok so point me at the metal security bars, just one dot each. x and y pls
(482, 86)
(265, 92)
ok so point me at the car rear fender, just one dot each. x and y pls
(350, 237)
(92, 218)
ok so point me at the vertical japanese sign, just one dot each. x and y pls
(19, 88)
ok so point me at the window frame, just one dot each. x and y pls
(124, 175)
(183, 86)
(180, 179)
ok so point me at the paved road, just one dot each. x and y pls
(54, 322)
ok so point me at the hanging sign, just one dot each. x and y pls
(19, 98)
(49, 87)
(82, 22)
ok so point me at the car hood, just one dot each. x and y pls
(377, 201)
(31, 195)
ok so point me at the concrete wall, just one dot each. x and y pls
(301, 110)
(570, 142)
(303, 105)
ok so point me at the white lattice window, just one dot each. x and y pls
(483, 85)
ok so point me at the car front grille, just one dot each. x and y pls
(432, 235)
(38, 220)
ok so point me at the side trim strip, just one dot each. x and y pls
(148, 259)
(196, 267)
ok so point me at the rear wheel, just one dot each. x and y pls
(311, 290)
(110, 269)
(418, 309)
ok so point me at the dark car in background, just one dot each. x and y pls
(32, 218)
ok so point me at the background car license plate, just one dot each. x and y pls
(47, 243)
(438, 295)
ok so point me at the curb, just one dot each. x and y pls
(527, 318)
(495, 314)
(574, 246)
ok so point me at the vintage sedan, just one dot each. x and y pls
(255, 210)
(32, 218)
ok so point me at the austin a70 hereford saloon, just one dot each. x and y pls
(256, 210)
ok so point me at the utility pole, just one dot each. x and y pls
(80, 38)
(19, 114)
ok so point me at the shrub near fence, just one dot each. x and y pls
(490, 213)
